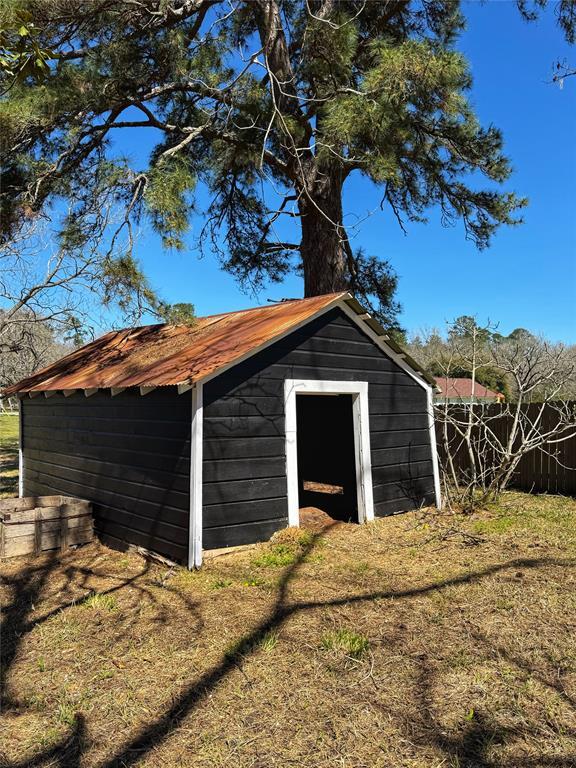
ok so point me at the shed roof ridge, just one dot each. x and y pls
(275, 304)
(222, 315)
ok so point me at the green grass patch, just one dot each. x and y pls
(99, 602)
(185, 578)
(315, 557)
(268, 641)
(360, 568)
(496, 525)
(345, 641)
(66, 713)
(248, 644)
(220, 583)
(304, 538)
(254, 581)
(539, 516)
(279, 556)
(8, 432)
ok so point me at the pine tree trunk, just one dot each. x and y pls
(323, 245)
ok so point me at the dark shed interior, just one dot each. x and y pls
(326, 456)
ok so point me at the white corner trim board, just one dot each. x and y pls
(195, 524)
(434, 450)
(20, 450)
(359, 392)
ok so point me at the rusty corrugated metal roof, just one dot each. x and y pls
(164, 355)
(160, 355)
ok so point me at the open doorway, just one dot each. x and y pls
(328, 449)
(326, 456)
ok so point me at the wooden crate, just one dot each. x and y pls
(38, 523)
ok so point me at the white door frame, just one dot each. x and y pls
(359, 392)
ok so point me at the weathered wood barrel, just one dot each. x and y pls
(35, 524)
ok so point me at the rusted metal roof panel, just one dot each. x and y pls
(162, 355)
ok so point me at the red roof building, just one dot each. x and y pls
(465, 391)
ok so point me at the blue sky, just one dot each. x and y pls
(528, 276)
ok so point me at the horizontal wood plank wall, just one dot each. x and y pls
(244, 448)
(129, 455)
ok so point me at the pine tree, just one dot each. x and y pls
(270, 104)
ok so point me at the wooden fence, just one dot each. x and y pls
(538, 471)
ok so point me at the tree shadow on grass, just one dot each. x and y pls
(470, 750)
(66, 753)
(528, 670)
(27, 588)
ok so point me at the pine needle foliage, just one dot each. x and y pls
(270, 105)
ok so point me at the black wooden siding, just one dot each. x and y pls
(129, 455)
(244, 483)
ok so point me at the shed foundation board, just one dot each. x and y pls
(212, 554)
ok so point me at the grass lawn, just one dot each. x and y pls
(8, 454)
(386, 645)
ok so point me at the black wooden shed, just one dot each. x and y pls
(215, 434)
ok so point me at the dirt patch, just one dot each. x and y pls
(314, 519)
(376, 645)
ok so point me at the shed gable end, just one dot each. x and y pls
(244, 485)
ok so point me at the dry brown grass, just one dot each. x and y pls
(382, 645)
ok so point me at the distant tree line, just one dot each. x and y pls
(466, 349)
(26, 345)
